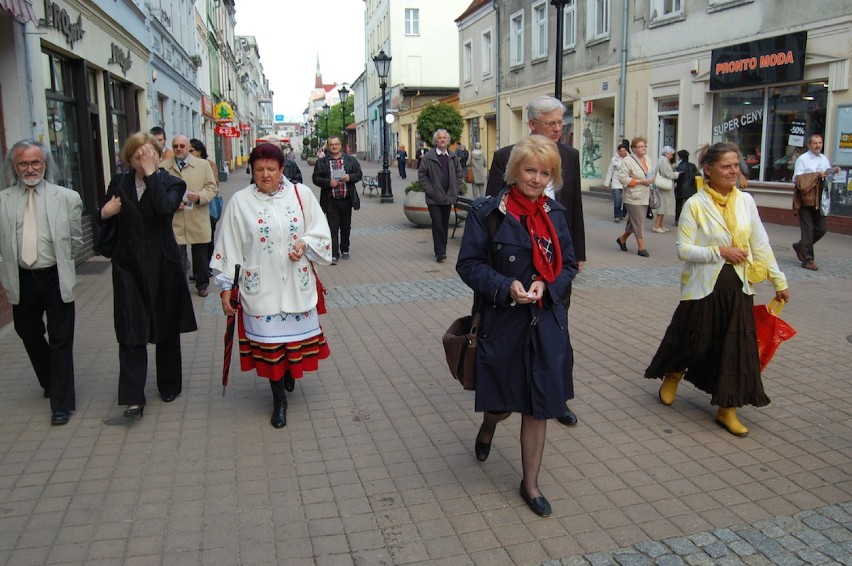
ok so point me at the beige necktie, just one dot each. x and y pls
(29, 244)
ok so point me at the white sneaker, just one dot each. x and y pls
(658, 230)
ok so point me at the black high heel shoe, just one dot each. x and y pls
(134, 411)
(482, 449)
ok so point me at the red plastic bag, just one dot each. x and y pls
(770, 329)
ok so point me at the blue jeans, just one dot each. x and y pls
(618, 210)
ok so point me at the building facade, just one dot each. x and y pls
(763, 74)
(422, 41)
(95, 72)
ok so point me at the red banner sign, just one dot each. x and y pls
(245, 127)
(227, 131)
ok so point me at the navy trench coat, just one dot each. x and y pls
(151, 296)
(524, 360)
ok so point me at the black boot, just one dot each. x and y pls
(279, 404)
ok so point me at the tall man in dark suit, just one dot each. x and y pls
(40, 235)
(546, 118)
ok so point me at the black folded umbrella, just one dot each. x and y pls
(229, 328)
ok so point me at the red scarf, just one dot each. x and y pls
(547, 255)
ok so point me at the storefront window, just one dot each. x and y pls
(770, 125)
(63, 131)
(119, 120)
(473, 130)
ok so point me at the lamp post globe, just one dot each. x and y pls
(382, 62)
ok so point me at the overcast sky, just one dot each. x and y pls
(290, 34)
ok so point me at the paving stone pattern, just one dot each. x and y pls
(375, 466)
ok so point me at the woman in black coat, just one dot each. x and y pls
(685, 184)
(518, 258)
(152, 304)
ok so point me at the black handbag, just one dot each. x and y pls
(460, 349)
(353, 196)
(107, 238)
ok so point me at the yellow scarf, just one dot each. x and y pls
(727, 205)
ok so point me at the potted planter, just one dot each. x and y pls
(415, 209)
(312, 160)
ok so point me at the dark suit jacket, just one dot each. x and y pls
(569, 195)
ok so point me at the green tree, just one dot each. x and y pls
(438, 116)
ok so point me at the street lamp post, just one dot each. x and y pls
(311, 138)
(382, 62)
(560, 13)
(325, 109)
(344, 96)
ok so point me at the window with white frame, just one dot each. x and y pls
(569, 27)
(467, 61)
(539, 30)
(598, 19)
(664, 9)
(412, 21)
(516, 38)
(487, 53)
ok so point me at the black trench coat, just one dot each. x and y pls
(152, 303)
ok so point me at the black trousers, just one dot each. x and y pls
(200, 263)
(339, 215)
(440, 215)
(133, 371)
(212, 243)
(813, 226)
(52, 361)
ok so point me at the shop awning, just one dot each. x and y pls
(21, 9)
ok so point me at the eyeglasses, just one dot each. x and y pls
(639, 146)
(552, 124)
(28, 164)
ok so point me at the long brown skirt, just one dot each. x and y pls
(713, 340)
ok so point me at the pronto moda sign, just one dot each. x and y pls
(755, 63)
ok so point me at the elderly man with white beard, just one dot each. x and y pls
(40, 235)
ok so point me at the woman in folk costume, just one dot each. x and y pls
(518, 258)
(711, 339)
(274, 230)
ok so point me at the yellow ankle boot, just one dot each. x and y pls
(668, 390)
(727, 417)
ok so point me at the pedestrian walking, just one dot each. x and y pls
(41, 234)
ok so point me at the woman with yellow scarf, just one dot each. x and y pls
(711, 339)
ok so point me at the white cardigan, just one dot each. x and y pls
(257, 231)
(702, 230)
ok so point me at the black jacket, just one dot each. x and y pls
(685, 183)
(322, 178)
(292, 171)
(151, 297)
(430, 176)
(569, 195)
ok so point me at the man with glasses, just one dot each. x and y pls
(191, 222)
(545, 115)
(337, 175)
(40, 235)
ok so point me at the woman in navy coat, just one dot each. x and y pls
(517, 256)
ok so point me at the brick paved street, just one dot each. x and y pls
(376, 464)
